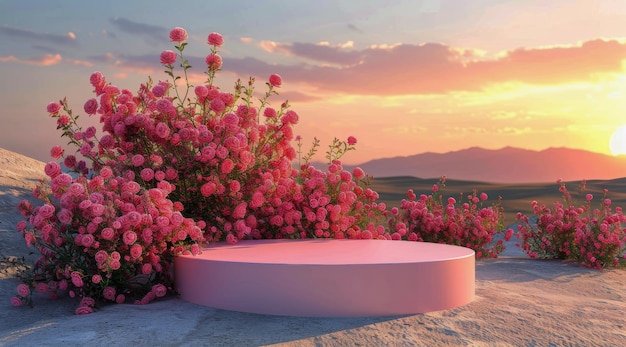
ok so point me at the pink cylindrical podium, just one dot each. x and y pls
(328, 277)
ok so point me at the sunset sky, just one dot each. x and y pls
(403, 77)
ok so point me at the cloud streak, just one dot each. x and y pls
(404, 69)
(45, 60)
(435, 68)
(68, 39)
(153, 32)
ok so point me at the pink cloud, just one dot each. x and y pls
(434, 67)
(45, 60)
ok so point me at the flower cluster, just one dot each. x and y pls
(428, 218)
(176, 165)
(594, 237)
(104, 238)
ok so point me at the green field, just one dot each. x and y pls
(515, 197)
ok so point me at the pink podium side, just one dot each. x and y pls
(328, 278)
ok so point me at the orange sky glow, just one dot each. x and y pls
(408, 78)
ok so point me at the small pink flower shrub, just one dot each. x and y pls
(104, 234)
(176, 166)
(593, 237)
(468, 224)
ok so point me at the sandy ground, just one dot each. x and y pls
(519, 302)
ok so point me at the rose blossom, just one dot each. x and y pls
(91, 106)
(178, 34)
(52, 169)
(56, 152)
(115, 264)
(269, 112)
(213, 61)
(16, 302)
(135, 251)
(215, 39)
(23, 290)
(87, 301)
(95, 279)
(107, 233)
(351, 140)
(101, 256)
(62, 284)
(53, 107)
(146, 269)
(41, 287)
(108, 293)
(83, 310)
(159, 290)
(76, 279)
(168, 57)
(275, 80)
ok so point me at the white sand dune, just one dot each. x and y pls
(519, 302)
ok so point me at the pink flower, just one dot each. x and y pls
(95, 279)
(56, 152)
(23, 290)
(213, 61)
(201, 91)
(101, 256)
(230, 238)
(269, 112)
(290, 117)
(115, 264)
(135, 251)
(159, 290)
(87, 301)
(77, 279)
(53, 107)
(217, 105)
(81, 310)
(178, 34)
(16, 302)
(129, 237)
(52, 169)
(158, 90)
(508, 235)
(107, 233)
(147, 174)
(589, 197)
(240, 210)
(120, 299)
(137, 160)
(435, 188)
(351, 140)
(162, 130)
(227, 166)
(215, 39)
(146, 269)
(91, 106)
(275, 80)
(483, 196)
(108, 293)
(168, 57)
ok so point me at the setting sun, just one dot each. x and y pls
(617, 143)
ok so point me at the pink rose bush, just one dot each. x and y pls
(593, 237)
(176, 166)
(469, 224)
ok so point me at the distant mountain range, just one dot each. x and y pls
(506, 165)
